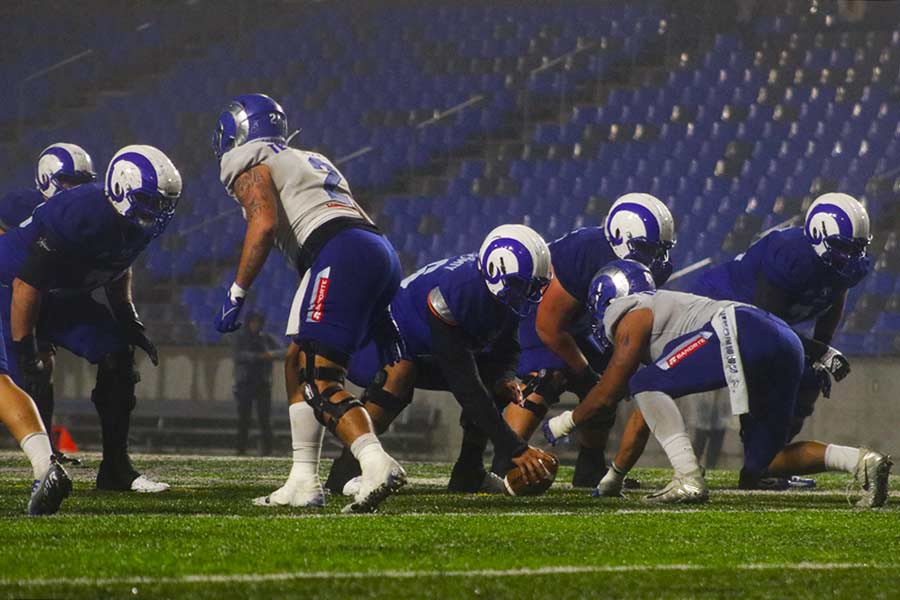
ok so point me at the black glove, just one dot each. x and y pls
(835, 363)
(583, 382)
(30, 364)
(126, 315)
(824, 380)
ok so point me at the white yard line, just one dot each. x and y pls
(413, 574)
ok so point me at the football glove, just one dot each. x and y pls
(127, 317)
(227, 317)
(30, 364)
(835, 363)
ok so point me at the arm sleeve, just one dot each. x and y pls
(457, 363)
(41, 266)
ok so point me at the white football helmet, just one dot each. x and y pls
(640, 227)
(144, 187)
(62, 166)
(515, 263)
(837, 226)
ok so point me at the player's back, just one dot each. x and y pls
(16, 207)
(466, 298)
(788, 262)
(80, 234)
(576, 258)
(311, 190)
(674, 315)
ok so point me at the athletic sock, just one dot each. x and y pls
(681, 454)
(368, 451)
(306, 441)
(37, 448)
(841, 458)
(667, 425)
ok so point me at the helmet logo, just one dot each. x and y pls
(831, 219)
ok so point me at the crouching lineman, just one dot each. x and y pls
(60, 167)
(299, 202)
(558, 350)
(449, 312)
(87, 238)
(692, 344)
(798, 274)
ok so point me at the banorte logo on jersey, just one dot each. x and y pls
(683, 350)
(317, 301)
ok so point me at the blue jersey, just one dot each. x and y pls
(577, 256)
(77, 242)
(468, 304)
(15, 207)
(787, 260)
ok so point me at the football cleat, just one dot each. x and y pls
(145, 485)
(872, 474)
(376, 487)
(68, 460)
(351, 488)
(48, 492)
(296, 493)
(797, 482)
(492, 484)
(683, 489)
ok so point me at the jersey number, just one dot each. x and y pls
(332, 180)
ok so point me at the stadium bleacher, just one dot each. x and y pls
(552, 112)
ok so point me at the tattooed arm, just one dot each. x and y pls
(632, 336)
(256, 192)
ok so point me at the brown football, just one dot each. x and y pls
(516, 484)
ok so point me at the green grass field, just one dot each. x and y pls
(203, 539)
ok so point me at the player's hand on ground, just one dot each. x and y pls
(533, 463)
(228, 315)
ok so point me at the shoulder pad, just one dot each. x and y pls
(438, 305)
(240, 159)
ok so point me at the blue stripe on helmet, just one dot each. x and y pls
(644, 214)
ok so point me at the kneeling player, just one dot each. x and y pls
(86, 238)
(689, 345)
(449, 313)
(558, 350)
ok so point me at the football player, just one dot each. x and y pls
(298, 201)
(689, 344)
(449, 313)
(798, 274)
(60, 167)
(87, 238)
(558, 352)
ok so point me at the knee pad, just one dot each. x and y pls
(328, 413)
(386, 400)
(116, 379)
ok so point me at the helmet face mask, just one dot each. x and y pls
(248, 117)
(640, 227)
(522, 296)
(837, 226)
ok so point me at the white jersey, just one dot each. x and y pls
(311, 191)
(674, 315)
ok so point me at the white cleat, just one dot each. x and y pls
(683, 489)
(872, 474)
(492, 484)
(145, 485)
(351, 488)
(377, 485)
(296, 493)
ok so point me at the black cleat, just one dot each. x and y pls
(68, 460)
(48, 493)
(751, 481)
(631, 484)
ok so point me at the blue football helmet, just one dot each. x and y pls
(62, 166)
(144, 187)
(619, 278)
(837, 226)
(640, 227)
(515, 263)
(249, 117)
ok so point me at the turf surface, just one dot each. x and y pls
(203, 539)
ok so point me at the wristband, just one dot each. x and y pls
(237, 291)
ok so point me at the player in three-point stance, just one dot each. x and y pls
(60, 167)
(298, 201)
(459, 319)
(558, 351)
(87, 238)
(689, 344)
(799, 274)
